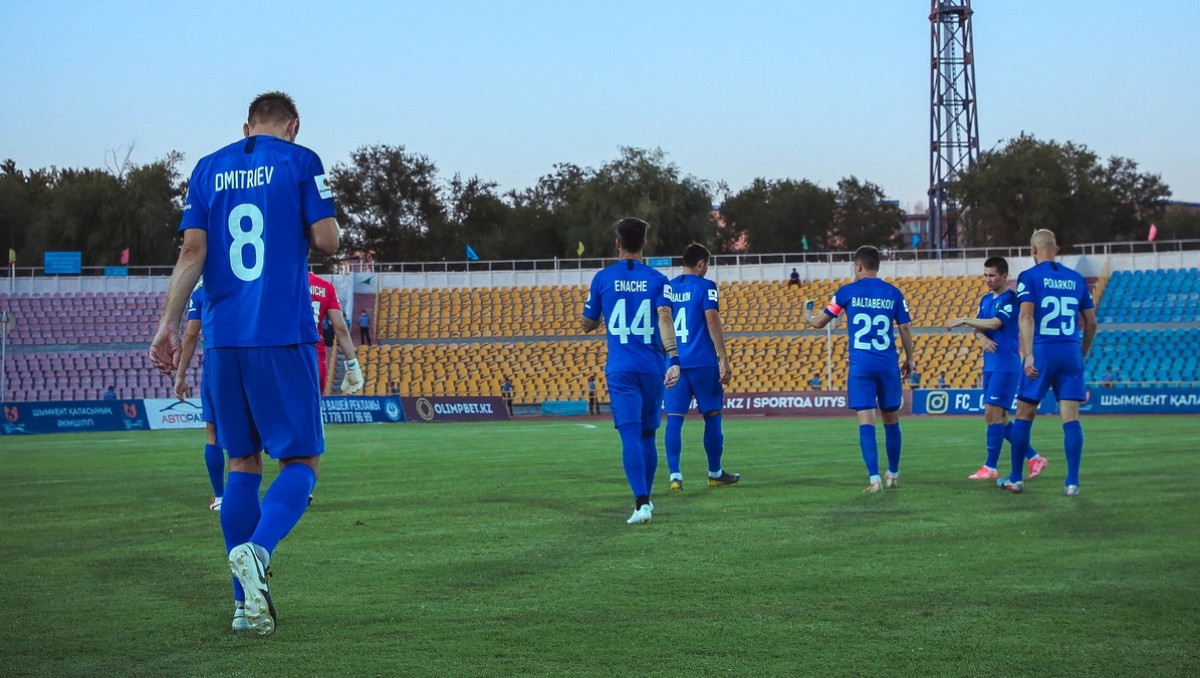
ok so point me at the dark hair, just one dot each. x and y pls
(632, 233)
(272, 107)
(694, 254)
(998, 263)
(868, 256)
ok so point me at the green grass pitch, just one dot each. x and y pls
(502, 550)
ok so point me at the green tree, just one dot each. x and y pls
(777, 216)
(641, 183)
(1031, 184)
(864, 217)
(388, 201)
(23, 196)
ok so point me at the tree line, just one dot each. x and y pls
(395, 205)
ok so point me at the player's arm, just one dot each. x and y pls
(587, 324)
(820, 320)
(324, 235)
(906, 341)
(977, 323)
(341, 332)
(164, 351)
(1087, 318)
(353, 380)
(191, 336)
(1025, 323)
(712, 317)
(666, 329)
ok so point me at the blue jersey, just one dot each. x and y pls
(628, 294)
(1003, 307)
(1058, 294)
(195, 308)
(872, 306)
(256, 199)
(691, 297)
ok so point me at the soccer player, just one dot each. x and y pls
(872, 307)
(325, 306)
(703, 367)
(253, 210)
(996, 326)
(1058, 324)
(629, 294)
(214, 456)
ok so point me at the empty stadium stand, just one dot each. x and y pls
(466, 340)
(1164, 296)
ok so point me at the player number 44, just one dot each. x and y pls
(641, 327)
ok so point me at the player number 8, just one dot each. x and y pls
(243, 239)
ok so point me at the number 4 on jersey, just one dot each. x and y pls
(618, 327)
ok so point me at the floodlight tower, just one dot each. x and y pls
(953, 125)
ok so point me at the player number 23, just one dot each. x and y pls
(246, 238)
(865, 339)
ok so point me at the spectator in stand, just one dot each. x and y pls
(814, 384)
(506, 390)
(914, 380)
(110, 394)
(364, 329)
(593, 403)
(1108, 380)
(942, 380)
(394, 388)
(794, 278)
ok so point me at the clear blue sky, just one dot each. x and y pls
(503, 90)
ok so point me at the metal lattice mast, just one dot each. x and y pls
(953, 125)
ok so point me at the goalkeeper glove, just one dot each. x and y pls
(353, 381)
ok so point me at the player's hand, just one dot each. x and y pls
(906, 368)
(955, 322)
(725, 371)
(353, 381)
(1030, 370)
(182, 390)
(988, 345)
(164, 350)
(672, 377)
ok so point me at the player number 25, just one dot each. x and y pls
(619, 327)
(1061, 309)
(879, 339)
(243, 239)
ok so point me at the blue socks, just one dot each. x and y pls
(1008, 436)
(239, 514)
(285, 501)
(673, 440)
(1020, 447)
(649, 458)
(892, 441)
(714, 442)
(214, 460)
(870, 448)
(633, 459)
(996, 433)
(1073, 444)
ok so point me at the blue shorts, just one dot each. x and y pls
(636, 398)
(866, 389)
(267, 398)
(704, 383)
(208, 411)
(1000, 388)
(1060, 366)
